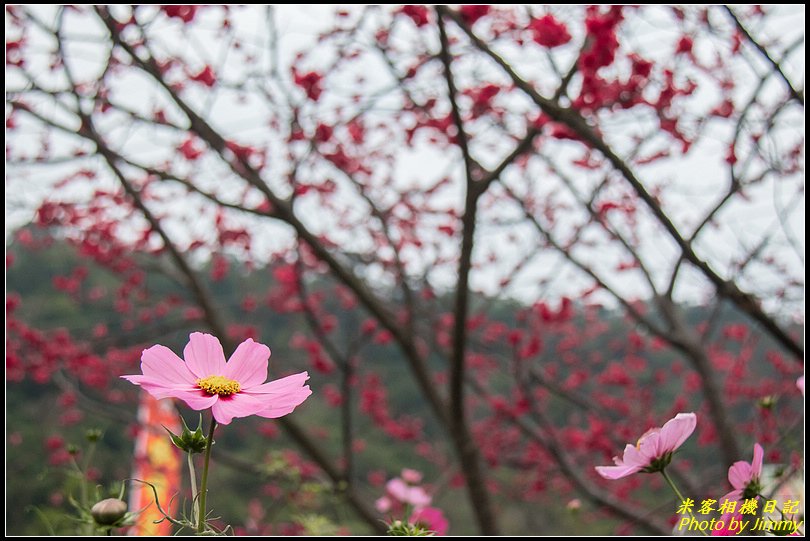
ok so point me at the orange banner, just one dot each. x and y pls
(158, 462)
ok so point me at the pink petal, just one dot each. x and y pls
(397, 488)
(160, 363)
(675, 432)
(617, 472)
(197, 399)
(756, 463)
(739, 474)
(156, 387)
(248, 364)
(433, 518)
(632, 457)
(282, 385)
(726, 519)
(418, 498)
(284, 405)
(204, 356)
(277, 412)
(238, 405)
(649, 445)
(411, 476)
(383, 504)
(733, 496)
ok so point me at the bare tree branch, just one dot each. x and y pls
(463, 439)
(796, 94)
(572, 119)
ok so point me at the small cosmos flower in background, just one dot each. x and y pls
(745, 477)
(231, 389)
(400, 493)
(654, 449)
(406, 498)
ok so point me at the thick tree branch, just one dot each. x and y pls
(465, 444)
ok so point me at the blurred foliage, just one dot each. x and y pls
(255, 466)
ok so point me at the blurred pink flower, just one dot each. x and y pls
(744, 477)
(741, 474)
(432, 519)
(383, 504)
(414, 496)
(726, 531)
(800, 384)
(235, 388)
(654, 449)
(411, 476)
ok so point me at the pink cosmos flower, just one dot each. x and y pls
(411, 476)
(383, 504)
(726, 531)
(402, 493)
(744, 477)
(415, 496)
(800, 384)
(432, 519)
(235, 388)
(654, 449)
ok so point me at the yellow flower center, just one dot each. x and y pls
(219, 385)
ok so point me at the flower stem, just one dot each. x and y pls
(82, 469)
(193, 477)
(680, 496)
(204, 481)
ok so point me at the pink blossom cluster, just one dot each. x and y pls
(405, 496)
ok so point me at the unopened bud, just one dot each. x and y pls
(188, 441)
(108, 512)
(767, 402)
(93, 435)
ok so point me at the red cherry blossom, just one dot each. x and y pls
(549, 32)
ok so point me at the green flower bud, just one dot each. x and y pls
(108, 512)
(188, 441)
(767, 402)
(93, 435)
